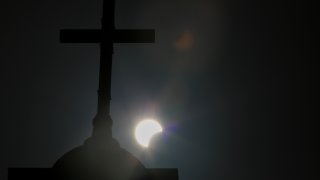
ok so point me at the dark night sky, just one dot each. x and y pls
(233, 83)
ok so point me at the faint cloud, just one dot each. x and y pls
(185, 41)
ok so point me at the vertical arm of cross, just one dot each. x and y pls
(106, 48)
(108, 15)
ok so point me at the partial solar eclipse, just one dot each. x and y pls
(145, 130)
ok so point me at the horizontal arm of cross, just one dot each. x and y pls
(98, 36)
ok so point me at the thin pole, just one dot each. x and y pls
(106, 53)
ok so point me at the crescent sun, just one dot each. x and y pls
(145, 130)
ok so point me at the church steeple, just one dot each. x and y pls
(101, 156)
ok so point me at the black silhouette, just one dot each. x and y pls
(100, 157)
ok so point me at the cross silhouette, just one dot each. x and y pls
(106, 36)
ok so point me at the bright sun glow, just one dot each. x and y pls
(145, 130)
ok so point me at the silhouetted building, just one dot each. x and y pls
(100, 157)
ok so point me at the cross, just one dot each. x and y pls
(106, 37)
